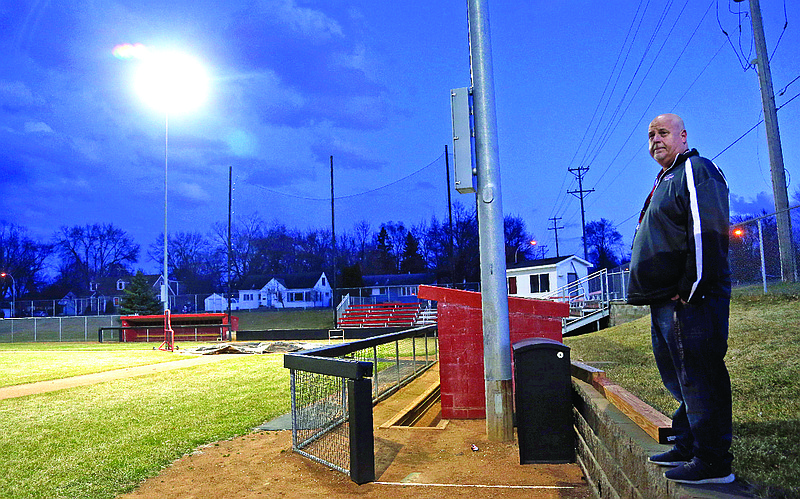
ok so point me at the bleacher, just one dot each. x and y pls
(380, 315)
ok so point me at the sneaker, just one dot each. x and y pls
(672, 457)
(698, 472)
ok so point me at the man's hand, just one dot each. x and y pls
(678, 297)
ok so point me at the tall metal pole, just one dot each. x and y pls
(494, 294)
(333, 242)
(230, 206)
(779, 191)
(165, 294)
(450, 215)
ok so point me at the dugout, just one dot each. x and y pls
(187, 327)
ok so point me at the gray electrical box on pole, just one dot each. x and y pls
(460, 110)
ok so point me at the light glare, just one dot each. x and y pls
(172, 82)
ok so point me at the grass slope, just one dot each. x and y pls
(764, 363)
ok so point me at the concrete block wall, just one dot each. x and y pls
(612, 451)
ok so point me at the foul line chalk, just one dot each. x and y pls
(403, 484)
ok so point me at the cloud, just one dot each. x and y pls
(347, 155)
(16, 96)
(313, 69)
(762, 203)
(37, 127)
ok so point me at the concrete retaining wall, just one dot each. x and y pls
(612, 451)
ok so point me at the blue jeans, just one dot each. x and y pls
(689, 344)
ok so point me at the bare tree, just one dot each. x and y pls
(23, 259)
(93, 251)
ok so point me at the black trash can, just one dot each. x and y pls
(543, 397)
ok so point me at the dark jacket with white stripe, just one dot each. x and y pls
(681, 244)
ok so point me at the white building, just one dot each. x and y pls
(303, 290)
(539, 278)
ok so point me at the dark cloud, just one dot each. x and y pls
(762, 203)
(347, 156)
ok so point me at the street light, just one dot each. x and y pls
(172, 83)
(13, 292)
(532, 243)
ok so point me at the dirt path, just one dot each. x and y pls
(409, 463)
(91, 379)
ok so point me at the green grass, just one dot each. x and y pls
(259, 320)
(100, 441)
(764, 363)
(18, 366)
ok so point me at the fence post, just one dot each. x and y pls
(362, 446)
(761, 251)
(375, 363)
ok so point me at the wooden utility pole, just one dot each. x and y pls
(779, 191)
(555, 228)
(580, 194)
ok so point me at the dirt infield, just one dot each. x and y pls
(410, 463)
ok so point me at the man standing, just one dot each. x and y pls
(679, 266)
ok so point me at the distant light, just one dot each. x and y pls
(738, 232)
(172, 82)
(534, 243)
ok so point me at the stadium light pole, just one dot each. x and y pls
(13, 292)
(173, 83)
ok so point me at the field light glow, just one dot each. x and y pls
(171, 82)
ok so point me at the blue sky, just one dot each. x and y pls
(368, 82)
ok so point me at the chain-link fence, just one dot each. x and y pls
(332, 394)
(754, 252)
(83, 328)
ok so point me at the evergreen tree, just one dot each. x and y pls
(139, 298)
(412, 262)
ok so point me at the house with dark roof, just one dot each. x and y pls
(394, 287)
(301, 290)
(106, 293)
(538, 278)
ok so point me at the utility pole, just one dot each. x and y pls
(494, 293)
(555, 228)
(580, 194)
(779, 192)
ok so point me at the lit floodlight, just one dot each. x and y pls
(172, 82)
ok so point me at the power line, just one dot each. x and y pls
(370, 191)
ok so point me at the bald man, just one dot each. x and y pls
(679, 266)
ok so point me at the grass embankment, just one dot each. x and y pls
(764, 363)
(99, 441)
(260, 320)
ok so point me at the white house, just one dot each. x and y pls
(303, 290)
(538, 278)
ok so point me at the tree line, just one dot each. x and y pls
(79, 255)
